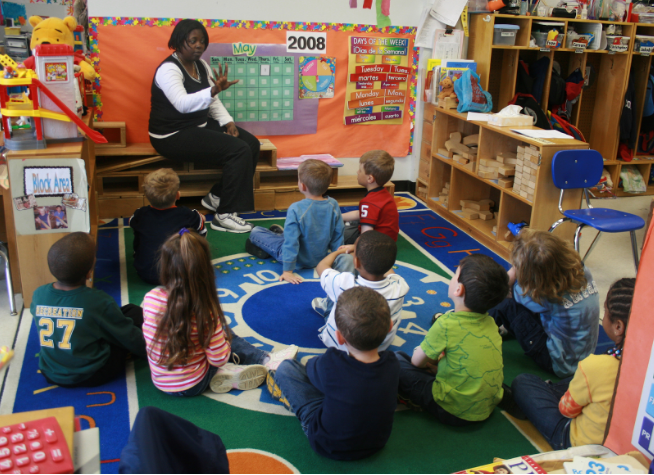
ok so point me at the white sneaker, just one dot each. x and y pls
(211, 202)
(320, 305)
(231, 376)
(230, 223)
(279, 356)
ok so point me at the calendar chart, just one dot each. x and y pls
(265, 90)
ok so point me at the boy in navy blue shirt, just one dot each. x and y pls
(313, 225)
(154, 224)
(346, 402)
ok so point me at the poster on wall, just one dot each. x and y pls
(317, 77)
(378, 80)
(52, 198)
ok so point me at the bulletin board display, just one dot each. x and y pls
(631, 425)
(122, 91)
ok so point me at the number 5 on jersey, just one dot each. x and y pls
(364, 211)
(46, 333)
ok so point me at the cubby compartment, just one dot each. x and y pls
(120, 185)
(512, 210)
(643, 168)
(466, 187)
(445, 123)
(440, 179)
(502, 76)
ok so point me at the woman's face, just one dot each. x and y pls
(193, 47)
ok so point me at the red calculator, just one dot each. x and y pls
(34, 447)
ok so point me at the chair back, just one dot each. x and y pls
(577, 168)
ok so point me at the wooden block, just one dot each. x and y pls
(445, 152)
(455, 137)
(489, 162)
(449, 145)
(460, 148)
(447, 185)
(506, 171)
(520, 155)
(531, 185)
(495, 229)
(534, 159)
(470, 166)
(456, 156)
(510, 161)
(523, 193)
(508, 236)
(534, 152)
(488, 202)
(518, 168)
(507, 154)
(469, 214)
(470, 139)
(461, 160)
(505, 182)
(465, 203)
(445, 191)
(486, 215)
(533, 147)
(442, 197)
(521, 149)
(469, 155)
(483, 168)
(488, 175)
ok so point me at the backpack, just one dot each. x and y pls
(532, 108)
(562, 125)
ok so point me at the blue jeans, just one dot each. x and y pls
(416, 385)
(343, 263)
(267, 240)
(242, 353)
(304, 398)
(540, 403)
(527, 328)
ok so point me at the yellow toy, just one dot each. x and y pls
(6, 354)
(56, 31)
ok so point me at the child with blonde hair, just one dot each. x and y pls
(155, 223)
(554, 310)
(188, 341)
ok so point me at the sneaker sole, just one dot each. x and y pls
(320, 311)
(220, 228)
(250, 378)
(208, 206)
(255, 250)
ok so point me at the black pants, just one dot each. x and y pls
(210, 146)
(527, 328)
(161, 442)
(351, 233)
(116, 362)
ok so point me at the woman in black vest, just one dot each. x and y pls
(188, 123)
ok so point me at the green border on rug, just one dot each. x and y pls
(418, 444)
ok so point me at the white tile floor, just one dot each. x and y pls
(611, 260)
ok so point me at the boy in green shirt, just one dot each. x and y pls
(84, 335)
(456, 372)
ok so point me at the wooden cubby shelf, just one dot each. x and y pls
(437, 172)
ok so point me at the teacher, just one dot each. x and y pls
(188, 123)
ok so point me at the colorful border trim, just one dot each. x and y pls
(94, 22)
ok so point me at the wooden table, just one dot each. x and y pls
(28, 253)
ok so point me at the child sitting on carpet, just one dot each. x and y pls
(463, 349)
(345, 402)
(84, 335)
(575, 410)
(189, 343)
(554, 311)
(313, 225)
(155, 223)
(374, 255)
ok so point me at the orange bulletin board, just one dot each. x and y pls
(127, 51)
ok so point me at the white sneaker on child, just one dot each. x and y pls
(211, 202)
(320, 305)
(279, 356)
(231, 376)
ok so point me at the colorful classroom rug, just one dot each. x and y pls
(260, 434)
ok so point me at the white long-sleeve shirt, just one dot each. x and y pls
(170, 79)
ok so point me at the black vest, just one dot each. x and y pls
(164, 118)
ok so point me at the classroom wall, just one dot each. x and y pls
(402, 13)
(41, 9)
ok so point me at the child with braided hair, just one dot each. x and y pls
(575, 410)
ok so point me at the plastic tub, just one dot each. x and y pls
(645, 42)
(505, 34)
(617, 43)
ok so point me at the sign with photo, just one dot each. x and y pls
(53, 198)
(48, 181)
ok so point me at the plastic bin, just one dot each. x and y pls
(505, 34)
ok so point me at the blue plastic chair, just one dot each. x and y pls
(574, 169)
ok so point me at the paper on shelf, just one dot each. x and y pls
(448, 11)
(448, 45)
(542, 134)
(479, 117)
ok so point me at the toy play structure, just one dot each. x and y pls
(55, 67)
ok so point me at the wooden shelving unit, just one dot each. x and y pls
(436, 170)
(597, 112)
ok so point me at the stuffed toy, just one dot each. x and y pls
(55, 31)
(447, 88)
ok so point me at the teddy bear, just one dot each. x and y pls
(447, 88)
(55, 31)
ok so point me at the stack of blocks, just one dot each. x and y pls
(444, 195)
(502, 168)
(477, 209)
(462, 149)
(526, 172)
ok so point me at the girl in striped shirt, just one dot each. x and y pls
(190, 347)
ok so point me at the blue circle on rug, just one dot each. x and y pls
(284, 314)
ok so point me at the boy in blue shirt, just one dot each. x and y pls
(313, 225)
(346, 402)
